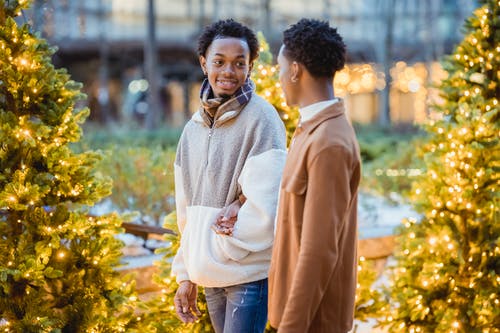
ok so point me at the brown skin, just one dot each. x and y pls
(185, 302)
(299, 86)
(227, 65)
(227, 218)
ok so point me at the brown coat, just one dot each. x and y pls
(312, 279)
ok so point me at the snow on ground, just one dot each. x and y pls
(378, 217)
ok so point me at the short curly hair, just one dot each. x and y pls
(316, 45)
(228, 28)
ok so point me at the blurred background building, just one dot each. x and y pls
(124, 49)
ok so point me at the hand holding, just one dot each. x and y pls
(226, 218)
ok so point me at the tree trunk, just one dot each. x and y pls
(215, 10)
(326, 10)
(103, 75)
(388, 13)
(266, 6)
(201, 17)
(151, 70)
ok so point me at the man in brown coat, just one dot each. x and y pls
(312, 280)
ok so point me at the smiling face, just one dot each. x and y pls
(227, 65)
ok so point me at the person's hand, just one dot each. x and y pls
(185, 302)
(226, 218)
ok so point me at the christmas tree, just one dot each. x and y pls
(370, 301)
(160, 313)
(57, 263)
(447, 276)
(265, 76)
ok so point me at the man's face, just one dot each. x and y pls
(227, 65)
(286, 77)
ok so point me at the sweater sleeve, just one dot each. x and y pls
(254, 228)
(326, 203)
(178, 266)
(259, 181)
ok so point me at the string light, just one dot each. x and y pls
(61, 254)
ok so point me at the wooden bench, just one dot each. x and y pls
(145, 231)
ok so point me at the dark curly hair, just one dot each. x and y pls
(316, 45)
(228, 28)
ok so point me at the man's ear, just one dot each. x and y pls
(296, 71)
(203, 63)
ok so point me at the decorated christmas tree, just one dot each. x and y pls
(370, 301)
(447, 276)
(265, 76)
(160, 314)
(57, 263)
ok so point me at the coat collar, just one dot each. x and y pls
(333, 111)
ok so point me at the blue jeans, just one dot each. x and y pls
(238, 309)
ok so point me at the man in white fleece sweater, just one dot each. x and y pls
(227, 173)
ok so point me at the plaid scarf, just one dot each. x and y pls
(212, 108)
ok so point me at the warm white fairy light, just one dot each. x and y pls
(61, 254)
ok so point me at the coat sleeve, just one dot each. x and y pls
(178, 266)
(327, 199)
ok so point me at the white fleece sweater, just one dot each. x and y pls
(243, 152)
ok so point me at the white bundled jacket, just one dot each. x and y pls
(243, 152)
